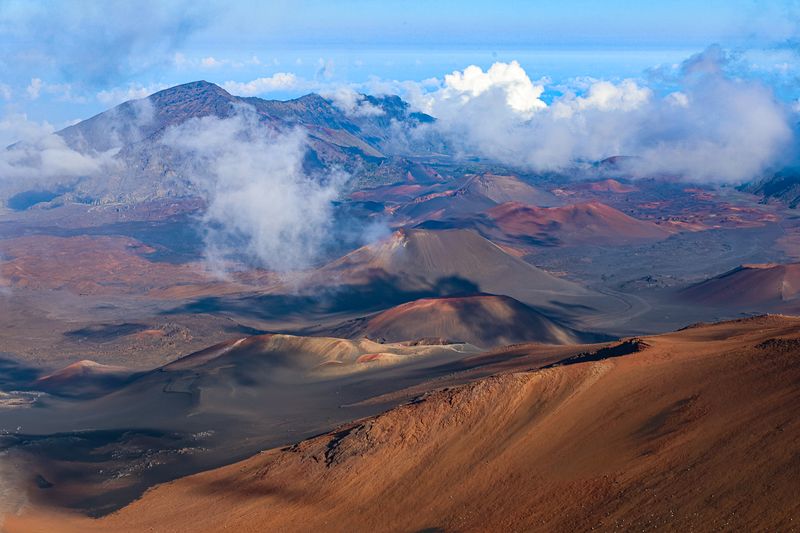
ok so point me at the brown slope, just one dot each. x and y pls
(216, 406)
(440, 205)
(482, 320)
(586, 223)
(475, 195)
(83, 378)
(697, 432)
(748, 287)
(302, 353)
(506, 188)
(447, 262)
(607, 185)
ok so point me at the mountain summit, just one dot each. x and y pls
(358, 143)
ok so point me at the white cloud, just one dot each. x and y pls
(17, 127)
(40, 158)
(352, 103)
(34, 88)
(714, 128)
(678, 99)
(261, 204)
(117, 95)
(211, 62)
(180, 60)
(62, 91)
(326, 68)
(625, 96)
(506, 82)
(280, 81)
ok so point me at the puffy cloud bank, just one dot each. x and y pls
(715, 127)
(262, 206)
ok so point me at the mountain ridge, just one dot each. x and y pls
(145, 169)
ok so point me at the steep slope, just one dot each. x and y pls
(609, 185)
(135, 121)
(296, 352)
(696, 430)
(506, 188)
(83, 379)
(100, 444)
(586, 223)
(445, 263)
(149, 169)
(783, 186)
(441, 205)
(482, 320)
(748, 287)
(476, 194)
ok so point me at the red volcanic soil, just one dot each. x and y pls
(608, 185)
(585, 223)
(102, 265)
(82, 378)
(748, 286)
(482, 320)
(80, 369)
(86, 264)
(693, 430)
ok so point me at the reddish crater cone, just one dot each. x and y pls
(482, 320)
(585, 223)
(748, 286)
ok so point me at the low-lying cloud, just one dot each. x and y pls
(38, 158)
(33, 157)
(262, 206)
(715, 127)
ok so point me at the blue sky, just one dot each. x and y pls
(62, 61)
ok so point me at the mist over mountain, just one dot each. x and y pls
(714, 128)
(139, 166)
(399, 266)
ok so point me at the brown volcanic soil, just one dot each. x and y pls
(446, 260)
(83, 378)
(501, 189)
(697, 431)
(103, 265)
(101, 297)
(586, 223)
(482, 320)
(476, 194)
(398, 192)
(748, 286)
(610, 185)
(43, 334)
